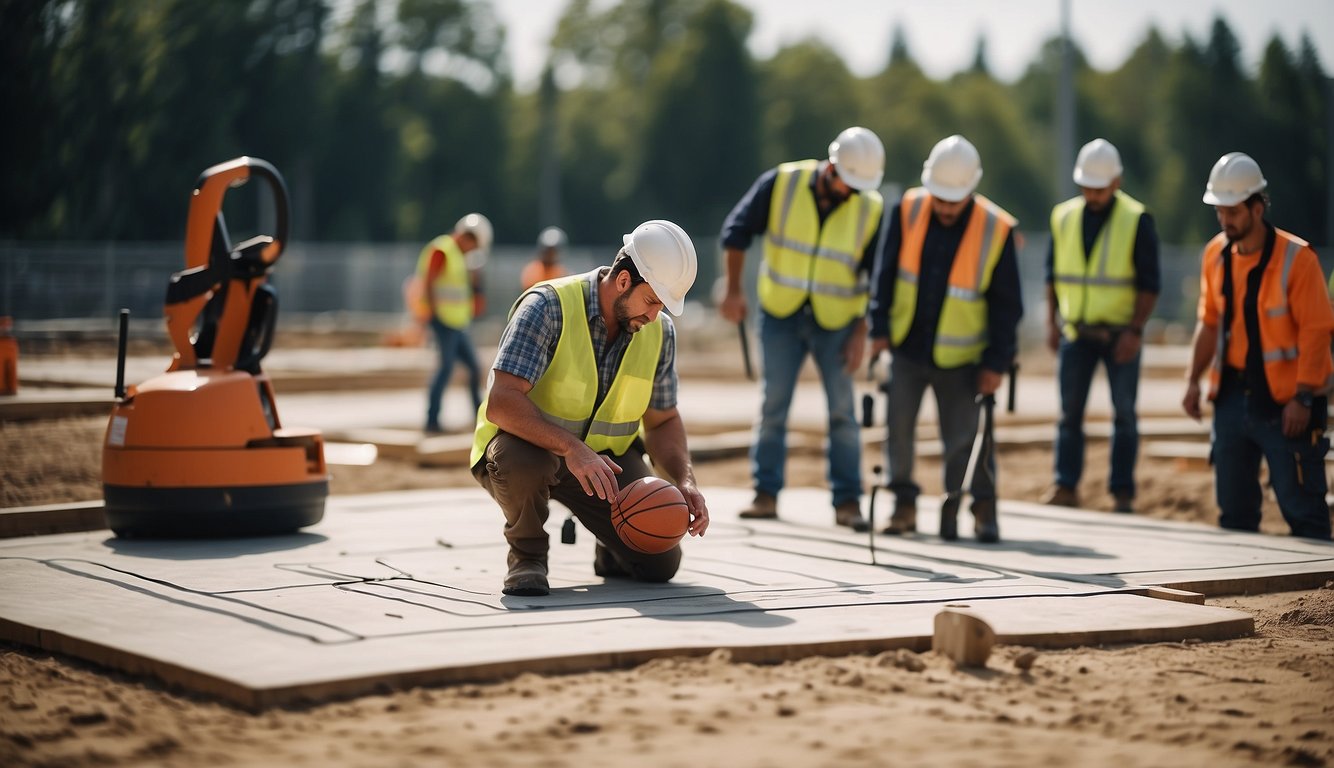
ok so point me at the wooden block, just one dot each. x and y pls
(1175, 595)
(963, 637)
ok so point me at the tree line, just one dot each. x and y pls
(391, 118)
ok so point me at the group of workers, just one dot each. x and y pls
(584, 383)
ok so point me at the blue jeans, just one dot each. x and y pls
(784, 344)
(955, 391)
(452, 344)
(1296, 468)
(1077, 362)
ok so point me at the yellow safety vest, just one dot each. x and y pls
(804, 260)
(452, 289)
(1099, 288)
(568, 389)
(962, 334)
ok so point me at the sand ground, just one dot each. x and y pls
(1261, 700)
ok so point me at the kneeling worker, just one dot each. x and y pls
(584, 361)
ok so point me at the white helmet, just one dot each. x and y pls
(665, 257)
(952, 170)
(1234, 178)
(552, 237)
(479, 227)
(859, 157)
(1098, 165)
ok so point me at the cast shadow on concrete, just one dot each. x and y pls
(663, 602)
(211, 549)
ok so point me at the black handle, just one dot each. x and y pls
(120, 353)
(1014, 387)
(745, 350)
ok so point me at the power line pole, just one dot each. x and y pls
(1065, 110)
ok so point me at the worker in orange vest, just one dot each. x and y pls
(546, 265)
(1264, 335)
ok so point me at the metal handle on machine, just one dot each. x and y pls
(276, 184)
(120, 353)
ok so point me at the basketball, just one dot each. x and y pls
(650, 515)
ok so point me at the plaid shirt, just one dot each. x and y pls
(529, 342)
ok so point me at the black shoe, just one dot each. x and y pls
(985, 526)
(949, 518)
(527, 577)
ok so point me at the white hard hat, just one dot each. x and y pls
(1098, 165)
(859, 157)
(952, 170)
(552, 237)
(665, 257)
(479, 227)
(1234, 178)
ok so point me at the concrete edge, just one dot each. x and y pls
(52, 518)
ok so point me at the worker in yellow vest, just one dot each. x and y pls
(946, 302)
(820, 222)
(1102, 284)
(1264, 336)
(448, 283)
(584, 384)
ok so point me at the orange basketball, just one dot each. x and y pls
(650, 515)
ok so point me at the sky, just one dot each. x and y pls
(942, 34)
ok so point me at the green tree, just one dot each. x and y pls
(701, 104)
(807, 95)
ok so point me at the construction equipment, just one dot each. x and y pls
(200, 451)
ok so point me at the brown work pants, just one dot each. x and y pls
(523, 478)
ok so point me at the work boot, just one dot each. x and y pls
(849, 513)
(949, 517)
(606, 565)
(904, 519)
(1061, 496)
(1124, 503)
(527, 576)
(984, 521)
(764, 507)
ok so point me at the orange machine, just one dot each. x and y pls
(200, 450)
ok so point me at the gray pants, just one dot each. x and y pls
(955, 390)
(523, 478)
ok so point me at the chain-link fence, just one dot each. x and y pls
(71, 287)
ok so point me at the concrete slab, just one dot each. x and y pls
(402, 589)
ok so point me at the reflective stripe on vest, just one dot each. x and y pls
(962, 335)
(1098, 287)
(451, 289)
(567, 390)
(804, 260)
(1278, 330)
